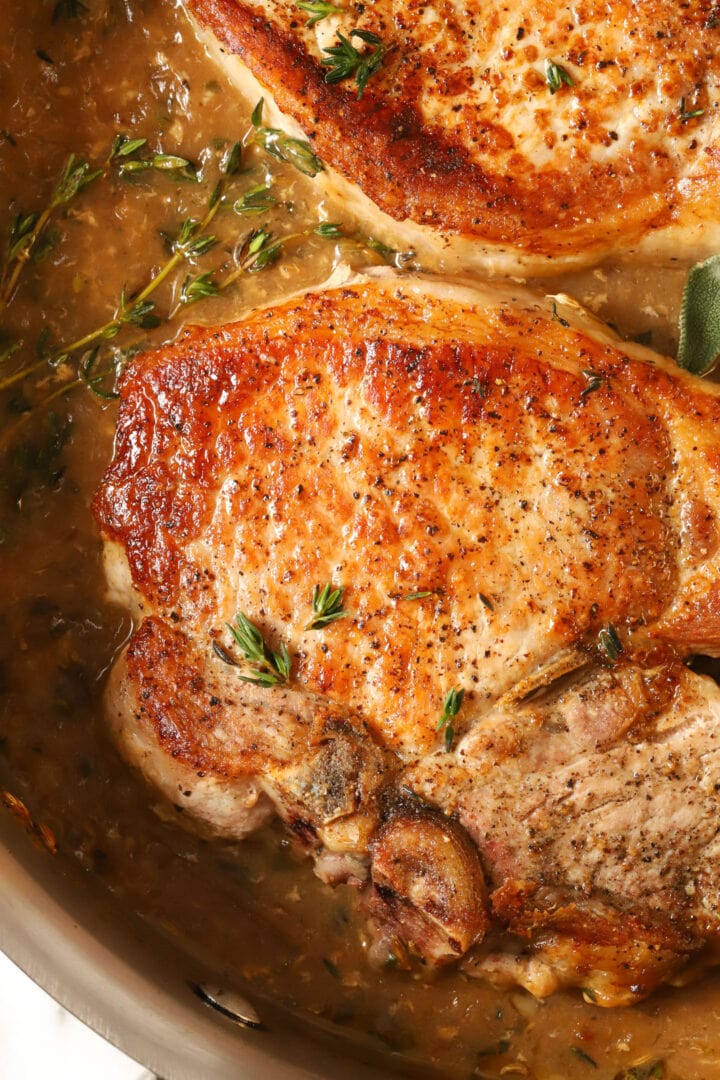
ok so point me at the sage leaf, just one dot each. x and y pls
(699, 345)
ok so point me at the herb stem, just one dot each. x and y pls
(76, 175)
(9, 283)
(113, 325)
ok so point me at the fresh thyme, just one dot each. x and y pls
(609, 642)
(333, 230)
(344, 61)
(556, 76)
(232, 161)
(257, 200)
(417, 595)
(270, 668)
(191, 241)
(594, 382)
(486, 602)
(318, 9)
(168, 163)
(450, 709)
(25, 229)
(686, 114)
(123, 146)
(326, 606)
(284, 147)
(558, 318)
(580, 1053)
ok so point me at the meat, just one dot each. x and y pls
(605, 785)
(225, 752)
(498, 738)
(530, 141)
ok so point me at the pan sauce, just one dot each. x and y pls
(254, 910)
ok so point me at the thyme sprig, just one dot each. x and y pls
(610, 642)
(318, 9)
(594, 382)
(344, 61)
(556, 76)
(450, 709)
(25, 229)
(191, 241)
(270, 668)
(168, 163)
(257, 200)
(685, 114)
(283, 147)
(333, 230)
(327, 606)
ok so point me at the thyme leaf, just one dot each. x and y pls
(594, 382)
(284, 147)
(417, 595)
(269, 254)
(558, 318)
(580, 1053)
(270, 668)
(451, 707)
(686, 114)
(167, 163)
(330, 230)
(94, 380)
(609, 642)
(198, 288)
(344, 61)
(326, 606)
(123, 146)
(318, 9)
(556, 76)
(76, 176)
(257, 200)
(233, 160)
(21, 232)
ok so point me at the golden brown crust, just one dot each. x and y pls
(406, 443)
(458, 129)
(492, 484)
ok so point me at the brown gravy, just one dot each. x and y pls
(254, 911)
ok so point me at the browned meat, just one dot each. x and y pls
(226, 751)
(607, 784)
(518, 506)
(537, 137)
(428, 883)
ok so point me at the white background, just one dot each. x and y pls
(39, 1040)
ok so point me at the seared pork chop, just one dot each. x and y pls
(532, 138)
(516, 504)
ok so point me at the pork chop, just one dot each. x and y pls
(515, 504)
(530, 139)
